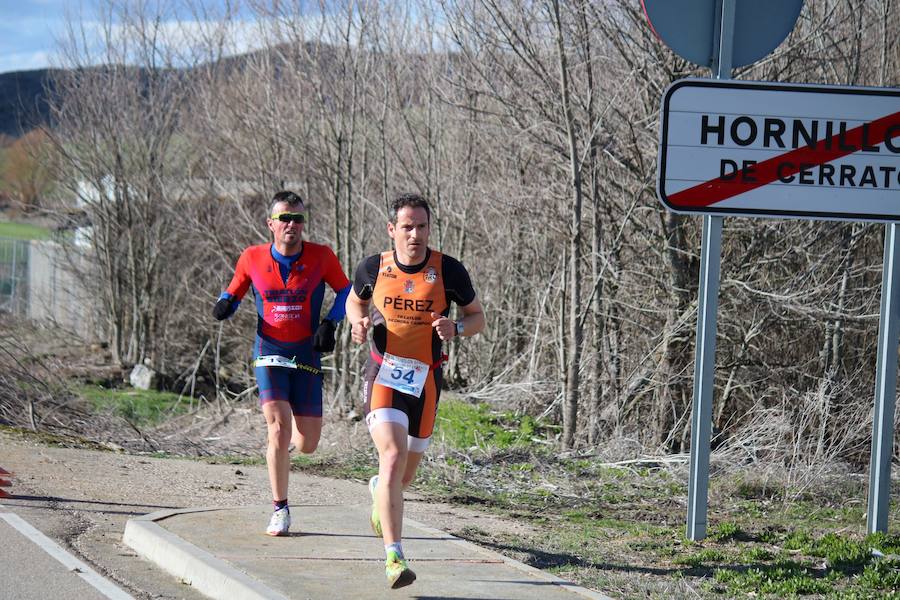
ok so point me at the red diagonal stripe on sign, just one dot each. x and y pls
(825, 150)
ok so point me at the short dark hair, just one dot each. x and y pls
(409, 201)
(286, 196)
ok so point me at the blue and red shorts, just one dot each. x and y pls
(301, 388)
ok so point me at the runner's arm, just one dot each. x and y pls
(339, 308)
(358, 315)
(473, 318)
(336, 280)
(230, 299)
(324, 339)
(459, 289)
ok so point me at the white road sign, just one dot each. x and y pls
(766, 149)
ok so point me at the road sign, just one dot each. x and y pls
(768, 149)
(689, 27)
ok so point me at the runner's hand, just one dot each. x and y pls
(324, 339)
(225, 306)
(445, 328)
(360, 330)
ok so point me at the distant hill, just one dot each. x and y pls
(23, 100)
(24, 94)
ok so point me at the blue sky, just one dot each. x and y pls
(27, 30)
(30, 30)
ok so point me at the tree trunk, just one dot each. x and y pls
(575, 327)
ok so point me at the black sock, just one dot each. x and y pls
(279, 504)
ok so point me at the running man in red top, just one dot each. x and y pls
(404, 296)
(288, 280)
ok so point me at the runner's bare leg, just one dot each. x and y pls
(278, 420)
(390, 440)
(307, 431)
(412, 464)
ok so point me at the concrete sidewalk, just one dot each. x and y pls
(331, 554)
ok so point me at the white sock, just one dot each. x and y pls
(396, 547)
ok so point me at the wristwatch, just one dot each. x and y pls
(459, 328)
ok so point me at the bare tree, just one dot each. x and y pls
(117, 139)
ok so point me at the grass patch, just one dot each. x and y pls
(141, 407)
(23, 231)
(705, 556)
(881, 575)
(234, 459)
(464, 425)
(358, 465)
(55, 439)
(725, 531)
(783, 578)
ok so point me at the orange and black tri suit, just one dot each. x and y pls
(402, 300)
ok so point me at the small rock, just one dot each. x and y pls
(143, 378)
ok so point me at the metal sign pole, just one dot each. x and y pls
(704, 369)
(885, 384)
(708, 304)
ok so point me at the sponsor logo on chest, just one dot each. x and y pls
(285, 296)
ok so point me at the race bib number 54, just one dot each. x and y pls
(405, 375)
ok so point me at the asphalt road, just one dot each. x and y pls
(36, 568)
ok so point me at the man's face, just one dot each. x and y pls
(410, 234)
(283, 225)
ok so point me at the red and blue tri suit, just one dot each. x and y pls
(288, 291)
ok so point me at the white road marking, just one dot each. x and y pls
(102, 585)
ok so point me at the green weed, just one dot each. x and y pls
(463, 425)
(705, 556)
(355, 465)
(881, 575)
(141, 407)
(887, 544)
(782, 578)
(725, 531)
(755, 554)
(232, 459)
(862, 595)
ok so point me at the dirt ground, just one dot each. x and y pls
(608, 524)
(82, 498)
(81, 487)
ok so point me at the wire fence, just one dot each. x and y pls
(14, 255)
(37, 283)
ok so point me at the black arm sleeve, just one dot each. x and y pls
(364, 279)
(457, 283)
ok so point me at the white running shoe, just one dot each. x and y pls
(280, 522)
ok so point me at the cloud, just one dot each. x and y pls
(33, 33)
(25, 61)
(27, 34)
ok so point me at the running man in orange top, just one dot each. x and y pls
(288, 280)
(404, 297)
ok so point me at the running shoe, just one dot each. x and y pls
(374, 520)
(280, 522)
(398, 572)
